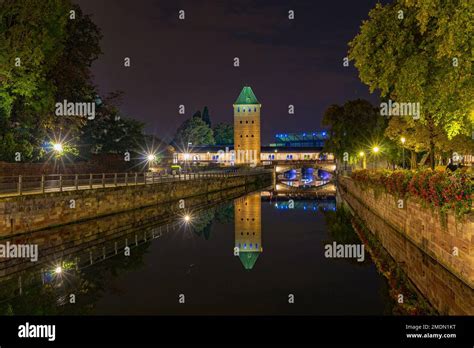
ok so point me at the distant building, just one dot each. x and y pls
(247, 149)
(247, 128)
(302, 139)
(225, 155)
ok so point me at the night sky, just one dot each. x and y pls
(190, 61)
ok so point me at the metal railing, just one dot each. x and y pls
(38, 184)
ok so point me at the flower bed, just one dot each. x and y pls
(439, 189)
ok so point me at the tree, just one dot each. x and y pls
(417, 139)
(224, 134)
(109, 132)
(421, 51)
(31, 41)
(205, 116)
(356, 126)
(194, 131)
(45, 57)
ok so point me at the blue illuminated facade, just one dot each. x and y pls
(302, 139)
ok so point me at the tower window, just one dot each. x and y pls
(255, 109)
(252, 122)
(240, 136)
(246, 121)
(252, 135)
(240, 122)
(238, 109)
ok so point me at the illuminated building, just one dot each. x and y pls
(247, 128)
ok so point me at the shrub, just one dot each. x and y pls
(439, 189)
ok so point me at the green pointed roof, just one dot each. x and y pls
(246, 97)
(248, 259)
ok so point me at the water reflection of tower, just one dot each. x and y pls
(248, 228)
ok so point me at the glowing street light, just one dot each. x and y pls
(375, 150)
(187, 218)
(361, 154)
(58, 147)
(58, 270)
(151, 157)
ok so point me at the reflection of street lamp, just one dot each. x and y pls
(403, 150)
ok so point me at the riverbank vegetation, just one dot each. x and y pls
(443, 190)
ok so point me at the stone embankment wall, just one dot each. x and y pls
(450, 288)
(22, 214)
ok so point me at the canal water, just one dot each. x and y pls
(254, 253)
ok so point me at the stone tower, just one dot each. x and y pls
(247, 128)
(248, 228)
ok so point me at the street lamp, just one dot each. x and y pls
(375, 150)
(403, 150)
(150, 158)
(58, 148)
(362, 156)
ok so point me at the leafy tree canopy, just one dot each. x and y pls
(194, 131)
(421, 51)
(205, 116)
(224, 134)
(45, 57)
(109, 132)
(353, 127)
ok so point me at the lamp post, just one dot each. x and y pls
(362, 156)
(403, 150)
(150, 158)
(58, 150)
(375, 150)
